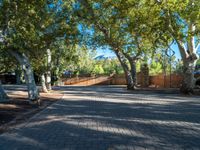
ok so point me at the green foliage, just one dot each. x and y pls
(79, 59)
(111, 66)
(138, 29)
(198, 62)
(160, 63)
(33, 27)
(6, 63)
(85, 63)
(98, 69)
(155, 68)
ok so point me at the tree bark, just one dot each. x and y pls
(33, 93)
(18, 74)
(133, 70)
(110, 41)
(3, 95)
(43, 83)
(189, 58)
(132, 62)
(127, 73)
(188, 82)
(48, 73)
(133, 73)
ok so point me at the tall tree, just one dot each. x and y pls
(30, 36)
(181, 21)
(184, 25)
(107, 30)
(18, 34)
(165, 21)
(121, 26)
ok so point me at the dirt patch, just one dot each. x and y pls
(18, 110)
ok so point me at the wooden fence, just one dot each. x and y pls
(158, 81)
(162, 81)
(87, 81)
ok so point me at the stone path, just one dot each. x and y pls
(110, 118)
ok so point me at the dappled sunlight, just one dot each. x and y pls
(123, 94)
(118, 67)
(10, 106)
(107, 128)
(124, 100)
(115, 121)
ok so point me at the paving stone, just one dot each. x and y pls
(110, 118)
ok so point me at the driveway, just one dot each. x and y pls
(110, 118)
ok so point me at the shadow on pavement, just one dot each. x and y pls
(108, 119)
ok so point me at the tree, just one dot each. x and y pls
(124, 26)
(106, 30)
(3, 95)
(58, 26)
(80, 60)
(6, 63)
(180, 21)
(98, 69)
(166, 21)
(110, 66)
(30, 36)
(198, 62)
(184, 26)
(19, 36)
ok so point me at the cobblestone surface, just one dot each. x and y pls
(110, 118)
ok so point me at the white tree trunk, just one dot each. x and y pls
(3, 95)
(188, 82)
(33, 92)
(189, 56)
(48, 73)
(43, 83)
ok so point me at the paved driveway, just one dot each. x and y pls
(110, 118)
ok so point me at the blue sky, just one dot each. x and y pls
(108, 53)
(105, 51)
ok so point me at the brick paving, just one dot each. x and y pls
(110, 118)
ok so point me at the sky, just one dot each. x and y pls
(108, 53)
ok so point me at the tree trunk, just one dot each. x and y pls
(18, 74)
(132, 62)
(56, 69)
(128, 76)
(3, 95)
(48, 73)
(188, 82)
(33, 92)
(189, 57)
(133, 71)
(43, 83)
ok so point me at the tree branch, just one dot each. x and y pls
(191, 40)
